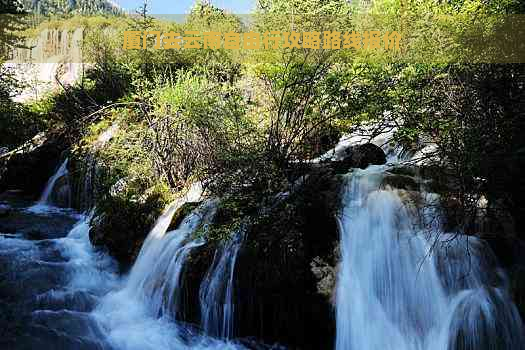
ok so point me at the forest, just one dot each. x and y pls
(293, 197)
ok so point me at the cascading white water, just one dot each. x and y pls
(89, 186)
(155, 244)
(141, 314)
(402, 287)
(156, 275)
(217, 290)
(46, 62)
(91, 270)
(61, 172)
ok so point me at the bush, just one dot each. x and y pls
(194, 124)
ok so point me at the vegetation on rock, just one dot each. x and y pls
(248, 123)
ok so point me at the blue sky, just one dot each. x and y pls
(183, 6)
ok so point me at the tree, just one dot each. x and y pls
(302, 84)
(11, 20)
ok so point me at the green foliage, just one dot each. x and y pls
(207, 17)
(232, 212)
(219, 65)
(217, 233)
(181, 213)
(314, 7)
(122, 158)
(108, 74)
(194, 124)
(243, 121)
(17, 124)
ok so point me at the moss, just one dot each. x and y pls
(231, 212)
(181, 214)
(95, 130)
(218, 232)
(121, 223)
(401, 182)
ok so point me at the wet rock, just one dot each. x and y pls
(121, 226)
(37, 226)
(252, 343)
(326, 275)
(274, 279)
(407, 170)
(359, 156)
(61, 194)
(29, 167)
(197, 264)
(403, 182)
(367, 154)
(517, 287)
(181, 214)
(4, 211)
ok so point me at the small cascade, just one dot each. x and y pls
(154, 243)
(156, 275)
(401, 286)
(75, 298)
(88, 188)
(216, 294)
(149, 298)
(92, 270)
(51, 191)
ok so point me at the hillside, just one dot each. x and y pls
(48, 7)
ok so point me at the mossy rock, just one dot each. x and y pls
(274, 278)
(30, 168)
(121, 225)
(274, 269)
(359, 156)
(407, 170)
(403, 182)
(181, 214)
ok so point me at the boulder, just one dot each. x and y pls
(61, 194)
(359, 156)
(288, 254)
(403, 182)
(367, 154)
(326, 275)
(120, 226)
(29, 167)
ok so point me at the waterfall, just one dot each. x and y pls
(402, 286)
(149, 298)
(216, 290)
(53, 54)
(92, 270)
(88, 189)
(157, 272)
(45, 198)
